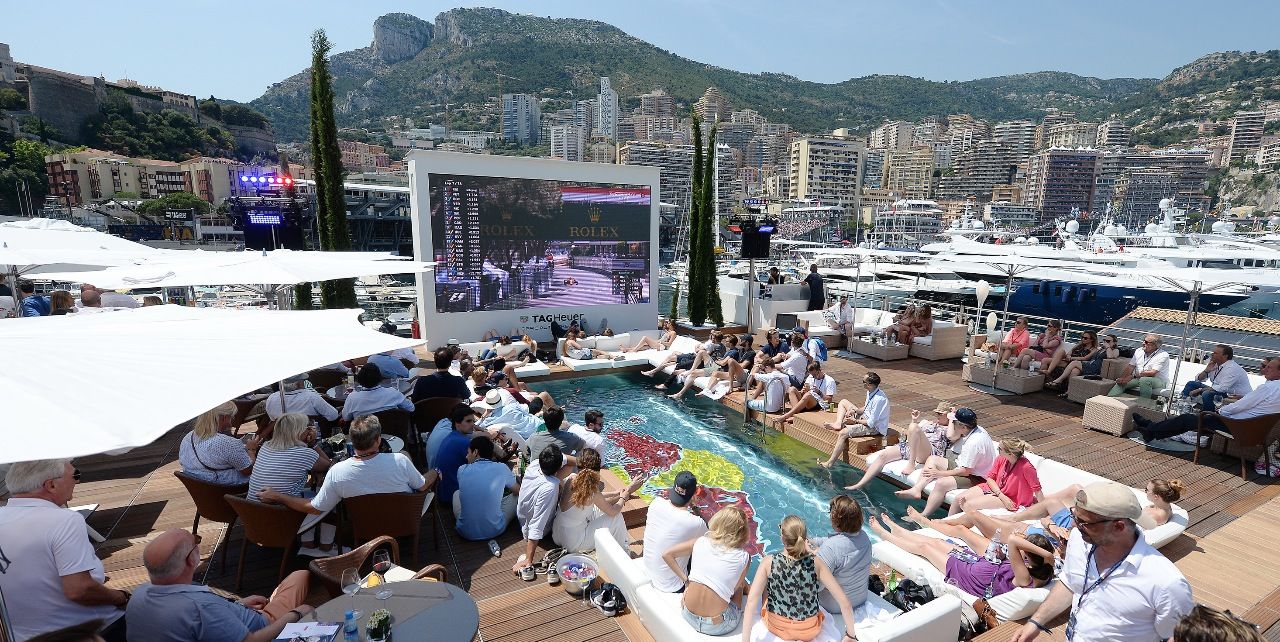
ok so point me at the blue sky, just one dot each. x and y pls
(235, 50)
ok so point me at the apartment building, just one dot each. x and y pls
(567, 143)
(964, 131)
(607, 115)
(1072, 135)
(363, 157)
(827, 169)
(1060, 180)
(896, 134)
(1113, 133)
(521, 119)
(675, 163)
(1019, 135)
(92, 175)
(1246, 133)
(657, 103)
(976, 171)
(909, 173)
(1138, 194)
(1190, 167)
(712, 106)
(1007, 215)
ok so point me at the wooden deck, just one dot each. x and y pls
(139, 497)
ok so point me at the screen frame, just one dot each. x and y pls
(466, 327)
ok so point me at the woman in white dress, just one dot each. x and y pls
(585, 506)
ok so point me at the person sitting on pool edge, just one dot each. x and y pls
(924, 439)
(670, 521)
(769, 381)
(870, 420)
(684, 360)
(971, 454)
(818, 392)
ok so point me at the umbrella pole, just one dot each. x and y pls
(1008, 291)
(992, 389)
(848, 339)
(1193, 300)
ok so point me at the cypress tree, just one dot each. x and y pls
(712, 285)
(331, 210)
(694, 299)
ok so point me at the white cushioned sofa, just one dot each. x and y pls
(527, 371)
(877, 620)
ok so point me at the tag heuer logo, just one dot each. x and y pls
(524, 319)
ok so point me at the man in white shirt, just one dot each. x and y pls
(536, 506)
(670, 522)
(1148, 370)
(796, 362)
(851, 421)
(818, 392)
(840, 316)
(1225, 377)
(1264, 400)
(299, 398)
(49, 573)
(772, 383)
(368, 472)
(1115, 584)
(970, 457)
(590, 432)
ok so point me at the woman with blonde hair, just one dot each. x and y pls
(668, 328)
(921, 323)
(1012, 483)
(211, 454)
(585, 506)
(1161, 493)
(789, 583)
(712, 602)
(288, 457)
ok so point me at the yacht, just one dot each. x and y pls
(906, 224)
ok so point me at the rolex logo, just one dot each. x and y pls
(593, 213)
(506, 216)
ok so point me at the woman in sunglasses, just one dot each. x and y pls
(1085, 359)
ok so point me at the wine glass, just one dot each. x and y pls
(382, 564)
(585, 577)
(351, 586)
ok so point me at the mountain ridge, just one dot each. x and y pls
(560, 59)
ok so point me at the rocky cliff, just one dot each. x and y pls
(399, 36)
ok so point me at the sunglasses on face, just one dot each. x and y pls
(1081, 523)
(75, 474)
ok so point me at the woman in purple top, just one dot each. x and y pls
(1022, 562)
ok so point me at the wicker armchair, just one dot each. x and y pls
(432, 572)
(392, 514)
(268, 526)
(211, 504)
(1246, 433)
(329, 569)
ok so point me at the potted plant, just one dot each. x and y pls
(378, 628)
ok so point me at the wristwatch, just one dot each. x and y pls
(127, 596)
(297, 613)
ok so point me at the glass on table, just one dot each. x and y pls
(351, 586)
(381, 565)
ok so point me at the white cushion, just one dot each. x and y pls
(588, 342)
(608, 344)
(924, 341)
(616, 563)
(534, 369)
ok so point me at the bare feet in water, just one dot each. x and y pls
(916, 517)
(908, 493)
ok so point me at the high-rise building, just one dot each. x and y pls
(748, 116)
(1019, 135)
(1268, 157)
(895, 134)
(1189, 166)
(607, 110)
(827, 169)
(735, 135)
(567, 143)
(978, 170)
(1071, 135)
(553, 119)
(521, 118)
(675, 164)
(1059, 180)
(1052, 116)
(712, 106)
(929, 130)
(584, 116)
(963, 131)
(658, 104)
(873, 169)
(660, 128)
(1246, 133)
(1138, 194)
(909, 173)
(1113, 133)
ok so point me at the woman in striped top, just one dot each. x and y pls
(285, 461)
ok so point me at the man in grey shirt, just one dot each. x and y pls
(570, 444)
(847, 553)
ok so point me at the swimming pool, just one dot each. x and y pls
(773, 475)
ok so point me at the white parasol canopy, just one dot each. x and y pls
(68, 374)
(250, 268)
(41, 244)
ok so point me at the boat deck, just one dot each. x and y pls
(139, 497)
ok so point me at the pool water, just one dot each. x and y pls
(770, 475)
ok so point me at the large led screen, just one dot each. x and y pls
(516, 243)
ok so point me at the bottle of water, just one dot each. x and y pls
(993, 549)
(350, 628)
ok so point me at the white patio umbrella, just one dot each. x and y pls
(177, 361)
(264, 272)
(45, 245)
